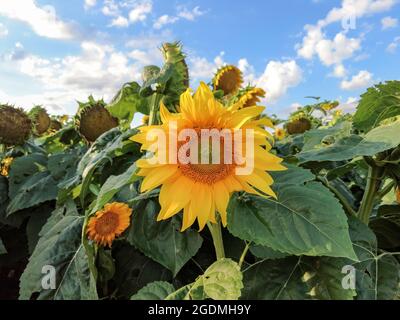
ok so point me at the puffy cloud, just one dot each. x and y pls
(140, 11)
(120, 21)
(164, 20)
(332, 52)
(190, 14)
(89, 4)
(339, 71)
(350, 105)
(43, 20)
(278, 77)
(359, 81)
(389, 22)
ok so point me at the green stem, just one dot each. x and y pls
(373, 184)
(216, 233)
(347, 206)
(154, 108)
(244, 253)
(386, 189)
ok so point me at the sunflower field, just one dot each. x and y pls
(85, 214)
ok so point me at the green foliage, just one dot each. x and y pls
(157, 290)
(377, 104)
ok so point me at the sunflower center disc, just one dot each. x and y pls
(107, 224)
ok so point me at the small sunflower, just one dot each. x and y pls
(280, 133)
(109, 223)
(201, 190)
(228, 79)
(5, 166)
(251, 97)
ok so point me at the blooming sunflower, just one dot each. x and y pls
(109, 223)
(202, 189)
(251, 97)
(280, 133)
(5, 165)
(228, 79)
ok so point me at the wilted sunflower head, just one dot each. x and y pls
(55, 125)
(280, 133)
(229, 79)
(41, 120)
(93, 119)
(15, 126)
(5, 165)
(109, 223)
(202, 189)
(251, 96)
(298, 125)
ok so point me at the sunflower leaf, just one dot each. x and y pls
(157, 290)
(162, 241)
(377, 140)
(305, 220)
(377, 104)
(59, 247)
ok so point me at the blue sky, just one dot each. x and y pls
(54, 52)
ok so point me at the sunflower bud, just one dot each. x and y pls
(15, 125)
(41, 120)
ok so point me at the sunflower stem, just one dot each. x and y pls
(244, 253)
(154, 108)
(372, 187)
(216, 233)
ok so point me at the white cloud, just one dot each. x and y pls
(359, 81)
(190, 15)
(247, 70)
(3, 31)
(89, 4)
(278, 77)
(119, 21)
(392, 47)
(43, 20)
(335, 51)
(389, 22)
(140, 11)
(164, 20)
(110, 8)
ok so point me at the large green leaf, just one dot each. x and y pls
(127, 102)
(378, 273)
(157, 290)
(275, 280)
(377, 140)
(318, 137)
(305, 220)
(60, 247)
(378, 103)
(293, 175)
(30, 183)
(162, 241)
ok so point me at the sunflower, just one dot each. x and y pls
(330, 106)
(202, 189)
(228, 79)
(280, 133)
(109, 223)
(5, 165)
(251, 97)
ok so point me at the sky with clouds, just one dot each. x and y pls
(54, 52)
